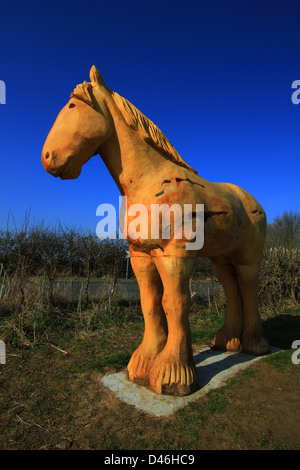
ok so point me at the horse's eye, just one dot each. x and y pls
(72, 105)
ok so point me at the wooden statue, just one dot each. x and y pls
(148, 170)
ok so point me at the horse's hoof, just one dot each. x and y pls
(179, 390)
(137, 380)
(226, 340)
(255, 343)
(141, 361)
(173, 377)
(138, 368)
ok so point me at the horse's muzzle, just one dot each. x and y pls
(52, 164)
(49, 163)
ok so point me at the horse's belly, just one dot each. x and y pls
(222, 233)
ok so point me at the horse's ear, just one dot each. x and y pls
(96, 77)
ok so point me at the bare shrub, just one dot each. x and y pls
(284, 231)
(280, 277)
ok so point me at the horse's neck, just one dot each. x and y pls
(130, 160)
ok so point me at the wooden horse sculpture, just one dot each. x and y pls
(148, 170)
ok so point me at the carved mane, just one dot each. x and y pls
(84, 92)
(146, 129)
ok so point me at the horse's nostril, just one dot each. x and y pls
(47, 155)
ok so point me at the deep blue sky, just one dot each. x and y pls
(215, 76)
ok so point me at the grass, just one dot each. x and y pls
(52, 394)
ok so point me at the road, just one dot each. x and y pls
(70, 289)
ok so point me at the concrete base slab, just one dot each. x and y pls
(214, 369)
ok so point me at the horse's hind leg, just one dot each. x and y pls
(155, 334)
(254, 340)
(173, 372)
(228, 337)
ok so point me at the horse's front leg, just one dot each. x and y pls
(155, 334)
(173, 372)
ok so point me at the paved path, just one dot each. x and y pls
(214, 369)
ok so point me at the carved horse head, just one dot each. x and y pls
(80, 129)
